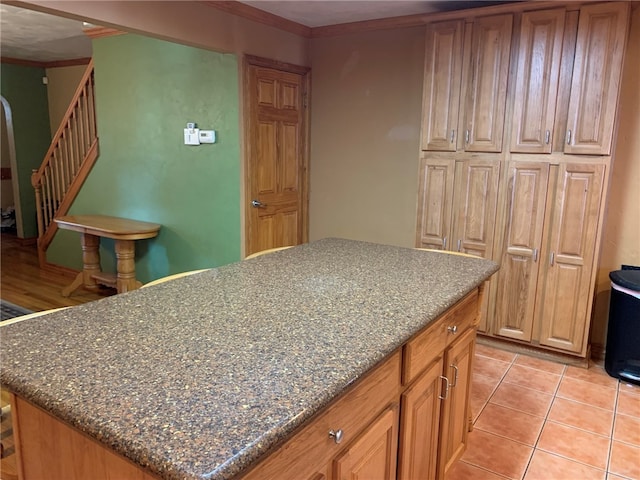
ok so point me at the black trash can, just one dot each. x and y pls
(622, 356)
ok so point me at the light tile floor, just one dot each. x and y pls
(540, 420)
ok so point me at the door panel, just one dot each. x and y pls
(602, 32)
(443, 68)
(420, 426)
(526, 189)
(568, 272)
(373, 455)
(475, 206)
(541, 37)
(434, 204)
(276, 174)
(487, 88)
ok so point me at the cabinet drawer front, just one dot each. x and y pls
(309, 451)
(429, 344)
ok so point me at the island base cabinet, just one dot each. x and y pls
(48, 448)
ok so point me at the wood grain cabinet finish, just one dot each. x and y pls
(435, 203)
(597, 71)
(486, 85)
(454, 416)
(441, 99)
(550, 78)
(538, 69)
(524, 191)
(457, 205)
(373, 455)
(565, 298)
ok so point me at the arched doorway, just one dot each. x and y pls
(10, 189)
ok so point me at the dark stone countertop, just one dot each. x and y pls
(200, 376)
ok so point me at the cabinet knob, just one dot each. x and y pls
(336, 435)
(452, 329)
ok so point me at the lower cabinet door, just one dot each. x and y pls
(420, 426)
(454, 424)
(373, 454)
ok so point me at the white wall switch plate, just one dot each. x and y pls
(207, 136)
(191, 136)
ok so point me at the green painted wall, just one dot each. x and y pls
(22, 87)
(146, 92)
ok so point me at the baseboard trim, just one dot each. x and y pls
(532, 351)
(60, 269)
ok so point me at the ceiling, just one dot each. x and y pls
(36, 36)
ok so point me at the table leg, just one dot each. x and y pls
(90, 265)
(126, 266)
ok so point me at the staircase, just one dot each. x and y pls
(73, 151)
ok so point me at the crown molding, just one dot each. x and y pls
(48, 64)
(260, 16)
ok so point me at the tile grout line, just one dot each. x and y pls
(613, 427)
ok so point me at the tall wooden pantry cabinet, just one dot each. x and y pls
(519, 114)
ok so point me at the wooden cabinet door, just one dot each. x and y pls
(435, 199)
(373, 454)
(420, 426)
(455, 410)
(565, 303)
(539, 56)
(597, 70)
(487, 84)
(474, 207)
(524, 193)
(441, 98)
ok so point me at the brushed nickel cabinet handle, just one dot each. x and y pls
(535, 255)
(552, 258)
(446, 388)
(568, 137)
(466, 136)
(455, 378)
(444, 243)
(459, 244)
(453, 135)
(547, 137)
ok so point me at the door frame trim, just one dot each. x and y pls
(305, 72)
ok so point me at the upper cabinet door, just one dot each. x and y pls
(602, 33)
(441, 98)
(487, 83)
(539, 55)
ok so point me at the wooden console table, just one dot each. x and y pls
(124, 232)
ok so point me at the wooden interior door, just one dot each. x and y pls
(276, 146)
(569, 273)
(525, 196)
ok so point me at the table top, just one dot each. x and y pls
(110, 227)
(200, 376)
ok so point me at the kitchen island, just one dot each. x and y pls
(207, 375)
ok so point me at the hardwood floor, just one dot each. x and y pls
(23, 283)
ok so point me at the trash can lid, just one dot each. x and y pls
(626, 278)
